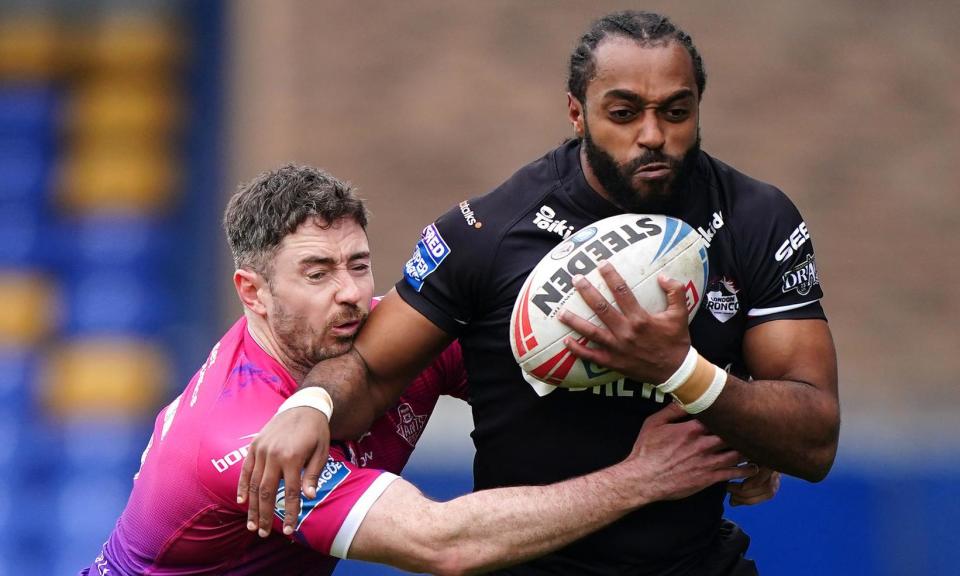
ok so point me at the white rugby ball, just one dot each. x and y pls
(640, 247)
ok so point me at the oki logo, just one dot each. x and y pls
(545, 219)
(797, 238)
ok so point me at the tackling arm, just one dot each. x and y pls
(396, 343)
(672, 458)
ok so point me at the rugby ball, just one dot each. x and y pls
(640, 247)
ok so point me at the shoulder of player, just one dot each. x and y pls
(744, 195)
(493, 214)
(753, 211)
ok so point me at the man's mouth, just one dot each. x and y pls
(653, 171)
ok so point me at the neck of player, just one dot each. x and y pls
(268, 342)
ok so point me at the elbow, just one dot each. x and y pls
(447, 561)
(823, 453)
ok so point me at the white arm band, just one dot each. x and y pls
(710, 395)
(313, 397)
(682, 374)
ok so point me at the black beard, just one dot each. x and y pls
(617, 179)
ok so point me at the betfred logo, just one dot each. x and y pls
(333, 474)
(429, 252)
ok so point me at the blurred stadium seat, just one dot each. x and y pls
(29, 308)
(104, 377)
(92, 158)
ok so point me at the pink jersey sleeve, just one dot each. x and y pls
(328, 522)
(345, 493)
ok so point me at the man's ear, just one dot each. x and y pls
(575, 113)
(250, 288)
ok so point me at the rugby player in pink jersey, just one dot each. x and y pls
(303, 275)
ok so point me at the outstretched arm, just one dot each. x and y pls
(788, 418)
(672, 458)
(395, 345)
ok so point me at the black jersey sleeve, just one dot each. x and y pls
(777, 256)
(443, 279)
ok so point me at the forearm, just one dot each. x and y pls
(492, 528)
(355, 406)
(790, 426)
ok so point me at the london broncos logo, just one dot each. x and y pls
(722, 299)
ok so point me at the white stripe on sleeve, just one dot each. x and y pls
(344, 537)
(775, 309)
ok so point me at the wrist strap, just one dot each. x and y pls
(312, 397)
(710, 395)
(682, 374)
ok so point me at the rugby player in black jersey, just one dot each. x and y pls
(757, 365)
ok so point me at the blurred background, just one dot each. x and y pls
(124, 125)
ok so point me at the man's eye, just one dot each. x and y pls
(621, 114)
(317, 275)
(677, 113)
(361, 268)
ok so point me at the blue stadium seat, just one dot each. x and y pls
(116, 301)
(29, 111)
(137, 244)
(18, 378)
(25, 171)
(27, 240)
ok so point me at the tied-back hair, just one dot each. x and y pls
(646, 28)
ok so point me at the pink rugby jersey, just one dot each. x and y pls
(182, 516)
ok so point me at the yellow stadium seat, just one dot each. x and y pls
(104, 377)
(112, 107)
(29, 310)
(29, 48)
(118, 179)
(131, 43)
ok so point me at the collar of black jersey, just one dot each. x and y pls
(581, 194)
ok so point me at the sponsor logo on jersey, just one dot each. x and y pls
(550, 296)
(715, 224)
(333, 474)
(802, 277)
(546, 219)
(232, 457)
(411, 424)
(722, 299)
(797, 238)
(427, 255)
(623, 388)
(469, 216)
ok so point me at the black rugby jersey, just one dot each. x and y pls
(466, 272)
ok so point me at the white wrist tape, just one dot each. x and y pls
(682, 374)
(313, 397)
(707, 399)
